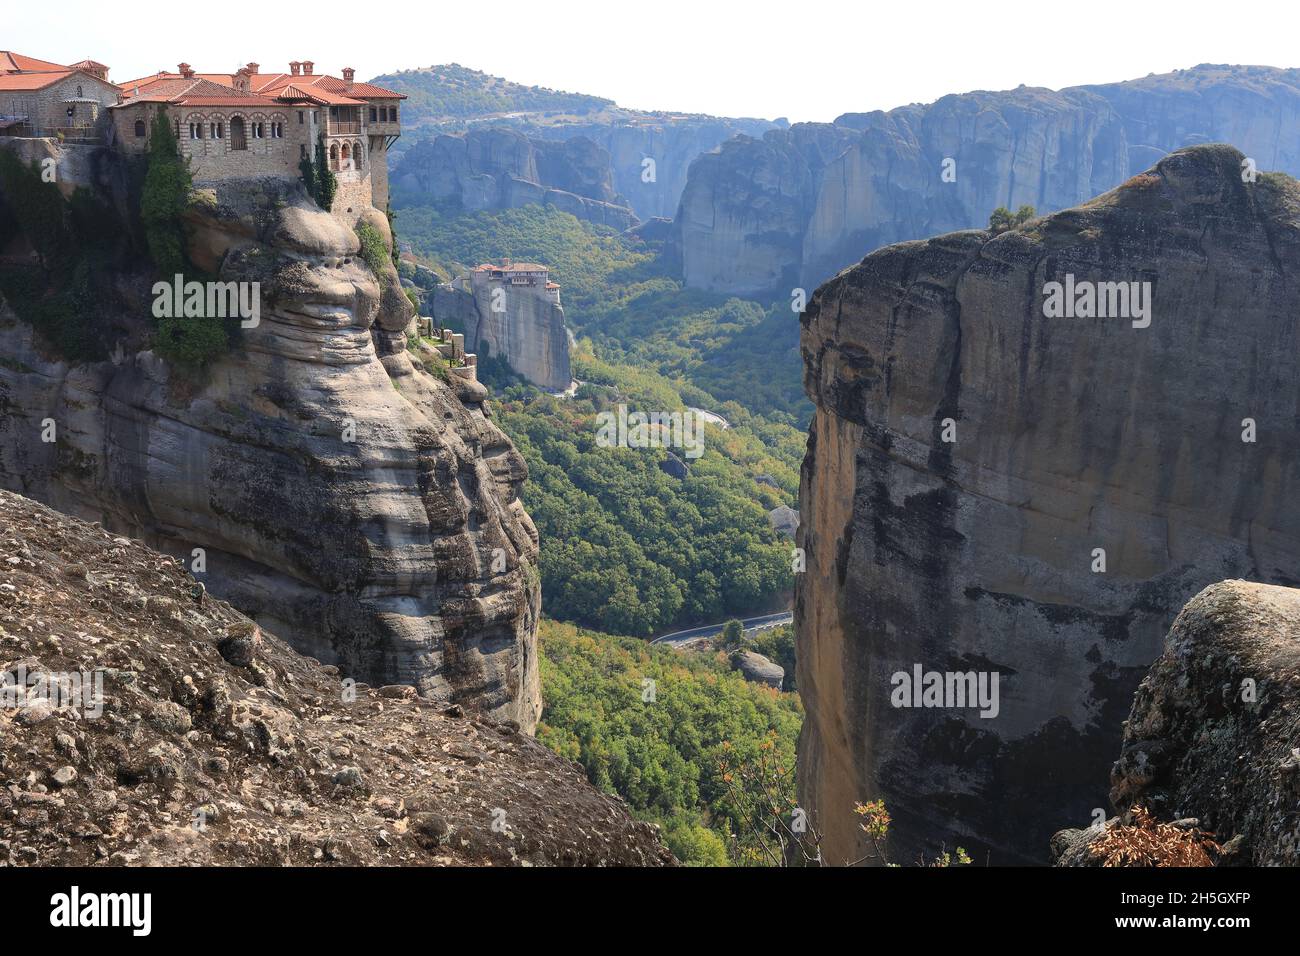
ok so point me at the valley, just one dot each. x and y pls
(806, 504)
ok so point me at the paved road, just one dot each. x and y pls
(680, 638)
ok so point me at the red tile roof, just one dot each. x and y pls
(319, 88)
(11, 62)
(368, 90)
(151, 78)
(31, 81)
(262, 82)
(194, 91)
(513, 267)
(243, 102)
(316, 94)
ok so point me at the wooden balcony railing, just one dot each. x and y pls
(344, 127)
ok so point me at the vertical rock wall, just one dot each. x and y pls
(1069, 435)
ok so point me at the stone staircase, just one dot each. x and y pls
(451, 346)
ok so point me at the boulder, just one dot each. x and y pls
(758, 669)
(1214, 733)
(784, 520)
(674, 467)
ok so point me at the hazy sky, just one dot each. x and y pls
(803, 59)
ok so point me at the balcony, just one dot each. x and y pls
(343, 128)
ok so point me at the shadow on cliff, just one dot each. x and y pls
(319, 476)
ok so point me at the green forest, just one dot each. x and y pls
(628, 549)
(669, 732)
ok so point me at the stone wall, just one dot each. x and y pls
(379, 172)
(214, 157)
(46, 109)
(352, 199)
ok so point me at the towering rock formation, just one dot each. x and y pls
(522, 324)
(488, 169)
(790, 209)
(972, 463)
(1214, 729)
(350, 501)
(743, 214)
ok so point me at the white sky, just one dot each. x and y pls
(803, 59)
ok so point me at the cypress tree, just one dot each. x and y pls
(163, 197)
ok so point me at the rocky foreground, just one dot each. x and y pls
(1213, 741)
(214, 743)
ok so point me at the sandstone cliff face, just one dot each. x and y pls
(202, 741)
(763, 216)
(1070, 435)
(743, 214)
(345, 498)
(529, 333)
(1255, 108)
(672, 142)
(495, 168)
(1214, 729)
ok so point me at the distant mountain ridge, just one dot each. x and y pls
(649, 152)
(450, 92)
(791, 208)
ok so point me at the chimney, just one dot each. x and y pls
(253, 67)
(348, 73)
(307, 67)
(294, 67)
(185, 70)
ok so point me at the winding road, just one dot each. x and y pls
(682, 638)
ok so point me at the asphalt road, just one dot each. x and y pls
(699, 633)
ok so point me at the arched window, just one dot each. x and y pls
(356, 155)
(139, 127)
(334, 157)
(238, 138)
(347, 153)
(79, 93)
